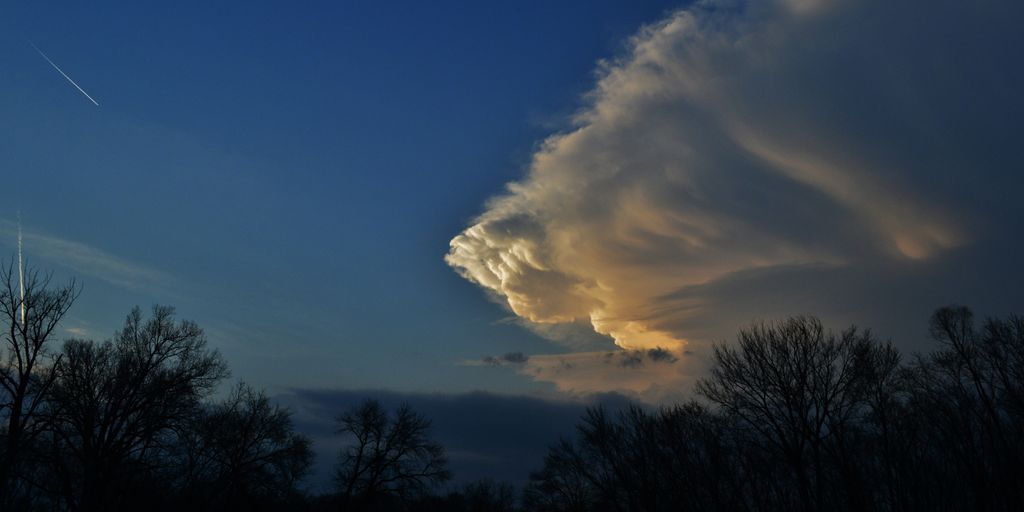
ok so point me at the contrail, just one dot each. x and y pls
(64, 74)
(21, 273)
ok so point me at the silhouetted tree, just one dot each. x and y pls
(391, 457)
(792, 417)
(242, 453)
(116, 405)
(484, 495)
(489, 496)
(562, 485)
(30, 310)
(675, 458)
(801, 418)
(802, 390)
(965, 415)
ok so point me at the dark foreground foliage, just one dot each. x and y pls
(791, 417)
(129, 423)
(125, 426)
(795, 417)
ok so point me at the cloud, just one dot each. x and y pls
(660, 355)
(655, 375)
(84, 259)
(78, 332)
(736, 142)
(579, 335)
(510, 358)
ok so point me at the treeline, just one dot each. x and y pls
(133, 423)
(795, 417)
(128, 424)
(792, 416)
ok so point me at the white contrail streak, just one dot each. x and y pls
(64, 74)
(21, 274)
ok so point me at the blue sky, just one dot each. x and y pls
(535, 204)
(294, 175)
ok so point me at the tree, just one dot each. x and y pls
(675, 458)
(242, 453)
(116, 404)
(802, 390)
(391, 456)
(489, 496)
(801, 418)
(31, 310)
(564, 484)
(966, 412)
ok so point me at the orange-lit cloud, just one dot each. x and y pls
(733, 139)
(652, 375)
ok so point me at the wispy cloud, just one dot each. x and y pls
(85, 259)
(78, 332)
(506, 359)
(654, 375)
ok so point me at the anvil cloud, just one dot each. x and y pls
(738, 141)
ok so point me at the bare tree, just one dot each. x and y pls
(802, 418)
(115, 404)
(967, 403)
(486, 495)
(392, 455)
(564, 484)
(243, 451)
(31, 310)
(674, 458)
(802, 389)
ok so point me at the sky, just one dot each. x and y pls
(516, 208)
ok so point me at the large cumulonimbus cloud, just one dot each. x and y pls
(737, 142)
